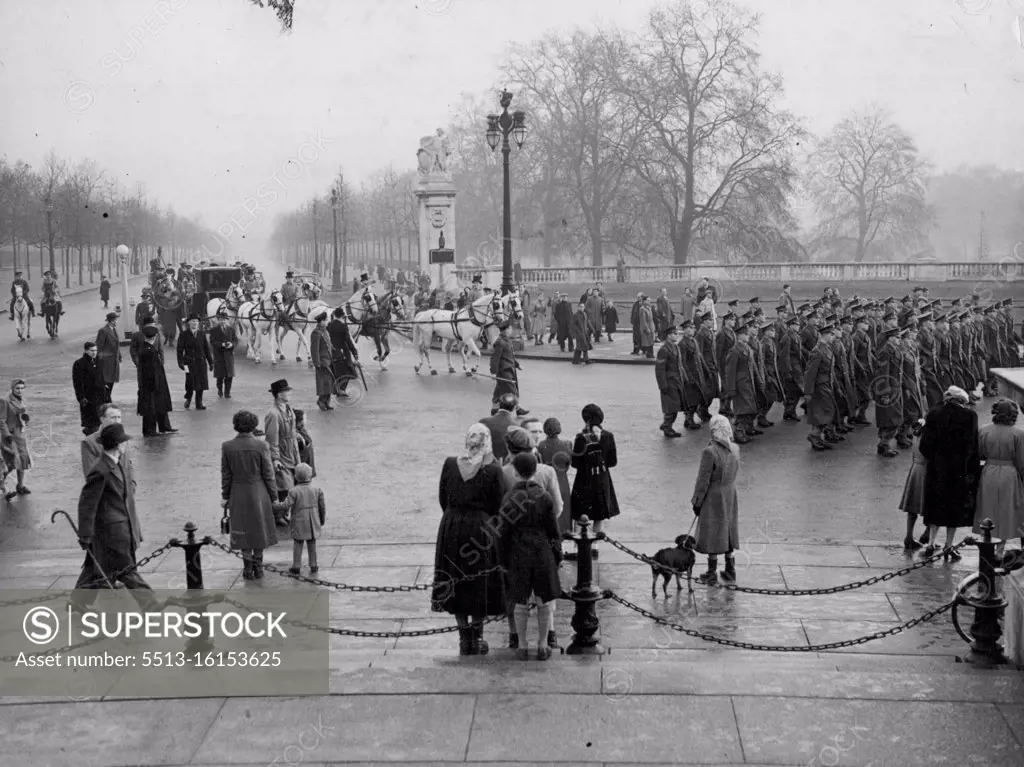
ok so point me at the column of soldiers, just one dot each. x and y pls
(833, 359)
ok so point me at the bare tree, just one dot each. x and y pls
(867, 181)
(711, 131)
(284, 9)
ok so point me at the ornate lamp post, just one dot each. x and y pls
(499, 127)
(49, 231)
(123, 252)
(336, 282)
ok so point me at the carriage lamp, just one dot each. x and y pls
(499, 128)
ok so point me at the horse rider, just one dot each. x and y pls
(49, 285)
(20, 282)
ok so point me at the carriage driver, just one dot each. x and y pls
(289, 290)
(18, 280)
(248, 280)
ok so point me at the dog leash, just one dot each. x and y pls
(692, 525)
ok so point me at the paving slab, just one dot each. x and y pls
(859, 732)
(356, 728)
(597, 728)
(1014, 717)
(385, 554)
(660, 677)
(395, 674)
(930, 580)
(893, 557)
(937, 637)
(108, 734)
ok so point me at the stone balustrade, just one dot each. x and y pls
(1006, 270)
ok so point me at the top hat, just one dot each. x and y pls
(279, 386)
(478, 278)
(289, 275)
(193, 316)
(364, 277)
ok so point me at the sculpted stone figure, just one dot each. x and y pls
(433, 154)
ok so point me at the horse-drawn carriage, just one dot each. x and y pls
(193, 290)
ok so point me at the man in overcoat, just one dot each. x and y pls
(773, 388)
(346, 356)
(563, 318)
(887, 391)
(90, 392)
(279, 426)
(196, 359)
(694, 375)
(705, 337)
(580, 332)
(791, 368)
(504, 368)
(663, 314)
(499, 421)
(740, 385)
(724, 341)
(862, 357)
(647, 331)
(154, 403)
(223, 340)
(108, 350)
(322, 355)
(139, 340)
(819, 387)
(757, 361)
(595, 307)
(107, 526)
(634, 322)
(668, 372)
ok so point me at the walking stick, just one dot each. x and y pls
(496, 378)
(88, 551)
(359, 367)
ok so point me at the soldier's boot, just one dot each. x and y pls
(740, 435)
(817, 442)
(689, 423)
(666, 426)
(705, 414)
(763, 422)
(832, 436)
(886, 450)
(710, 576)
(789, 414)
(725, 407)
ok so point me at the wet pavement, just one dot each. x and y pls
(807, 520)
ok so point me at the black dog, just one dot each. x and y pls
(673, 562)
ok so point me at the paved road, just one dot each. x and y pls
(378, 457)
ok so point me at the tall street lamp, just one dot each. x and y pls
(499, 128)
(49, 231)
(336, 283)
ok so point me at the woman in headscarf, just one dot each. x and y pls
(715, 503)
(949, 443)
(1001, 487)
(470, 494)
(593, 454)
(14, 455)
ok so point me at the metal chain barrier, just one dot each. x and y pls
(931, 614)
(350, 587)
(795, 592)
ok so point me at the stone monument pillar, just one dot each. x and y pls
(435, 192)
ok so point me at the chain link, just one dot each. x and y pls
(351, 587)
(794, 592)
(931, 614)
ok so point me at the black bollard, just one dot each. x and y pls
(987, 647)
(195, 602)
(585, 621)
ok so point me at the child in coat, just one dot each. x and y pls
(305, 441)
(307, 514)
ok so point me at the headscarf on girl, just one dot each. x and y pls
(478, 448)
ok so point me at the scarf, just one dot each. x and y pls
(478, 451)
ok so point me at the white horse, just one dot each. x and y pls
(295, 319)
(462, 326)
(257, 319)
(22, 315)
(231, 303)
(512, 309)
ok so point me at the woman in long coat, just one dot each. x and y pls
(195, 358)
(468, 542)
(223, 340)
(14, 454)
(154, 402)
(593, 454)
(949, 442)
(715, 502)
(646, 323)
(1001, 487)
(248, 491)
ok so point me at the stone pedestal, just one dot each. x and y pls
(436, 197)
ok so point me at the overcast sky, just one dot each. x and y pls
(210, 101)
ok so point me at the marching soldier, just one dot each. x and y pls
(862, 356)
(819, 387)
(888, 392)
(929, 345)
(724, 341)
(705, 338)
(694, 375)
(774, 391)
(754, 342)
(791, 368)
(740, 385)
(913, 400)
(846, 399)
(668, 372)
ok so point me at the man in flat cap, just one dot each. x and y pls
(196, 358)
